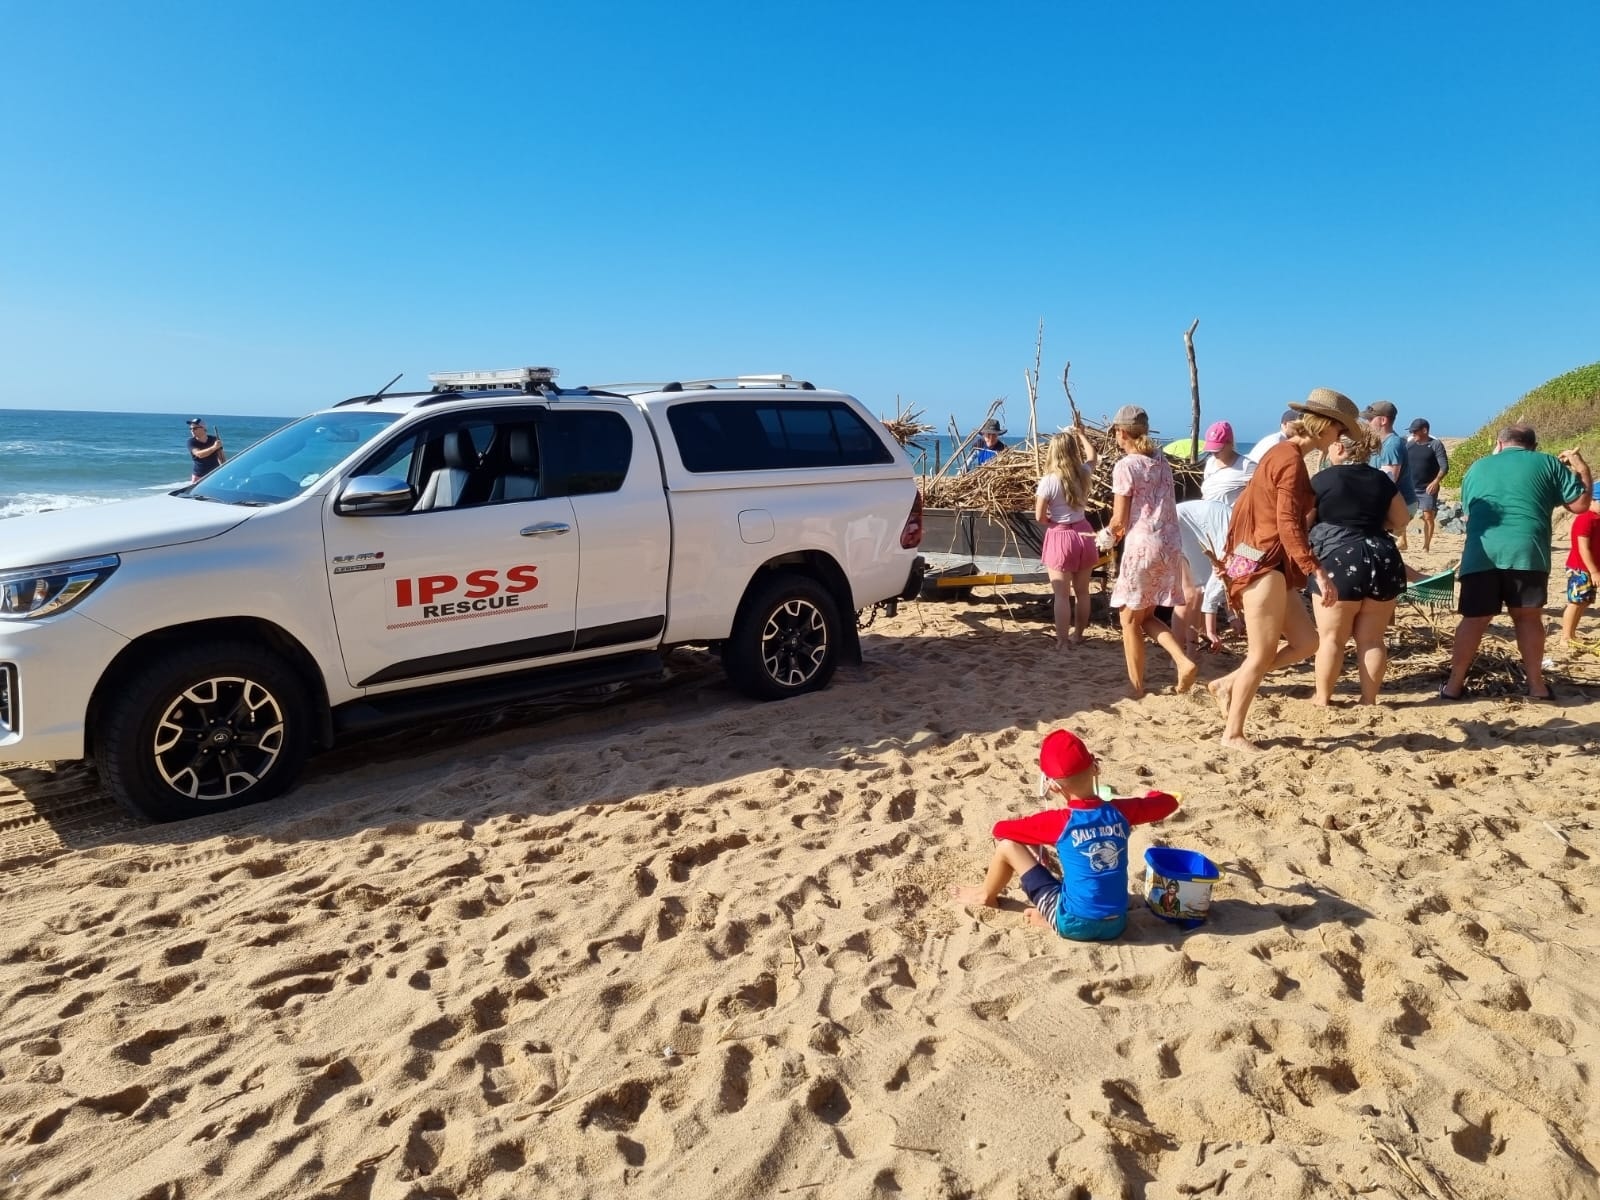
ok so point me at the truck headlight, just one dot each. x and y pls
(34, 592)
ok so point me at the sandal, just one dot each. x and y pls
(1447, 697)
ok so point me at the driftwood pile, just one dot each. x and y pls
(1006, 482)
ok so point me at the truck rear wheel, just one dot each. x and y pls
(785, 640)
(204, 729)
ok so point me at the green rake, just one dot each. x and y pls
(1435, 595)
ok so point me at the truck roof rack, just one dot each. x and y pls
(743, 381)
(722, 381)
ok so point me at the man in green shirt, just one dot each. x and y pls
(1507, 499)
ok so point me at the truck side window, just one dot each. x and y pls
(466, 461)
(772, 435)
(586, 452)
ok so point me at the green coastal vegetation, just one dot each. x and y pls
(1564, 412)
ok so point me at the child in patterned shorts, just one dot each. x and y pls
(1583, 571)
(1088, 901)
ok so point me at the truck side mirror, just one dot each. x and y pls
(375, 496)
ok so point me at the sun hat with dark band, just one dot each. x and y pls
(1336, 406)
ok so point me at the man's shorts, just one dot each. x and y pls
(1580, 588)
(1484, 592)
(1043, 890)
(1427, 502)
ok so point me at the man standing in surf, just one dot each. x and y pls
(205, 451)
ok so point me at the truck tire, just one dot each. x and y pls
(202, 730)
(786, 639)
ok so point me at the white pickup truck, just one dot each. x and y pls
(405, 556)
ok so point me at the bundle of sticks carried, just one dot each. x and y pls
(1006, 482)
(907, 424)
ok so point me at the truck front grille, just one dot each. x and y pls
(8, 699)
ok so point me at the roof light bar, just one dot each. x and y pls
(522, 378)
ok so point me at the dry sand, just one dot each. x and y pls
(691, 946)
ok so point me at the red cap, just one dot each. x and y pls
(1064, 755)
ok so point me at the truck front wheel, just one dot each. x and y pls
(204, 729)
(786, 639)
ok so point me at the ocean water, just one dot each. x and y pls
(54, 460)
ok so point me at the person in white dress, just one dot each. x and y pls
(1203, 524)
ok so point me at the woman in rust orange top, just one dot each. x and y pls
(1269, 557)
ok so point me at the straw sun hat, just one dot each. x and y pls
(1336, 406)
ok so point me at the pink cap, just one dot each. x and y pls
(1219, 435)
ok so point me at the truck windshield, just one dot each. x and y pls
(285, 463)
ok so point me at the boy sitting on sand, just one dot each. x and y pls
(1089, 903)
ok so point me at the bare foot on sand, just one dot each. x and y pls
(970, 895)
(1222, 692)
(1187, 674)
(1240, 743)
(1319, 702)
(1135, 692)
(1035, 917)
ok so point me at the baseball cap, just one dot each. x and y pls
(1219, 435)
(1064, 755)
(1380, 408)
(1417, 426)
(1289, 414)
(1130, 416)
(197, 420)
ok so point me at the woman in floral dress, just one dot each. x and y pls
(1144, 517)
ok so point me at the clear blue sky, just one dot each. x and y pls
(256, 207)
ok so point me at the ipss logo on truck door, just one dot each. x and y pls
(476, 593)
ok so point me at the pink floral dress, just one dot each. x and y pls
(1150, 573)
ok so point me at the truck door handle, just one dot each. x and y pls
(546, 528)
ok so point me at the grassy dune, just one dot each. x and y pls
(1564, 412)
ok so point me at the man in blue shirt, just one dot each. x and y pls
(989, 447)
(1391, 456)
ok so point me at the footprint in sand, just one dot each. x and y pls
(685, 860)
(617, 1109)
(917, 1065)
(335, 1077)
(733, 1088)
(422, 1144)
(757, 996)
(828, 1101)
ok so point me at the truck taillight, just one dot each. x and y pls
(911, 535)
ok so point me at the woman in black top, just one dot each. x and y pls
(1358, 507)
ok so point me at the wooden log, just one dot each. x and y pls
(1194, 391)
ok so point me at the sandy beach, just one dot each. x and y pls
(681, 944)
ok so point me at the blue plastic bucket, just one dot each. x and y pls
(1177, 885)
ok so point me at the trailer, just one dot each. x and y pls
(965, 548)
